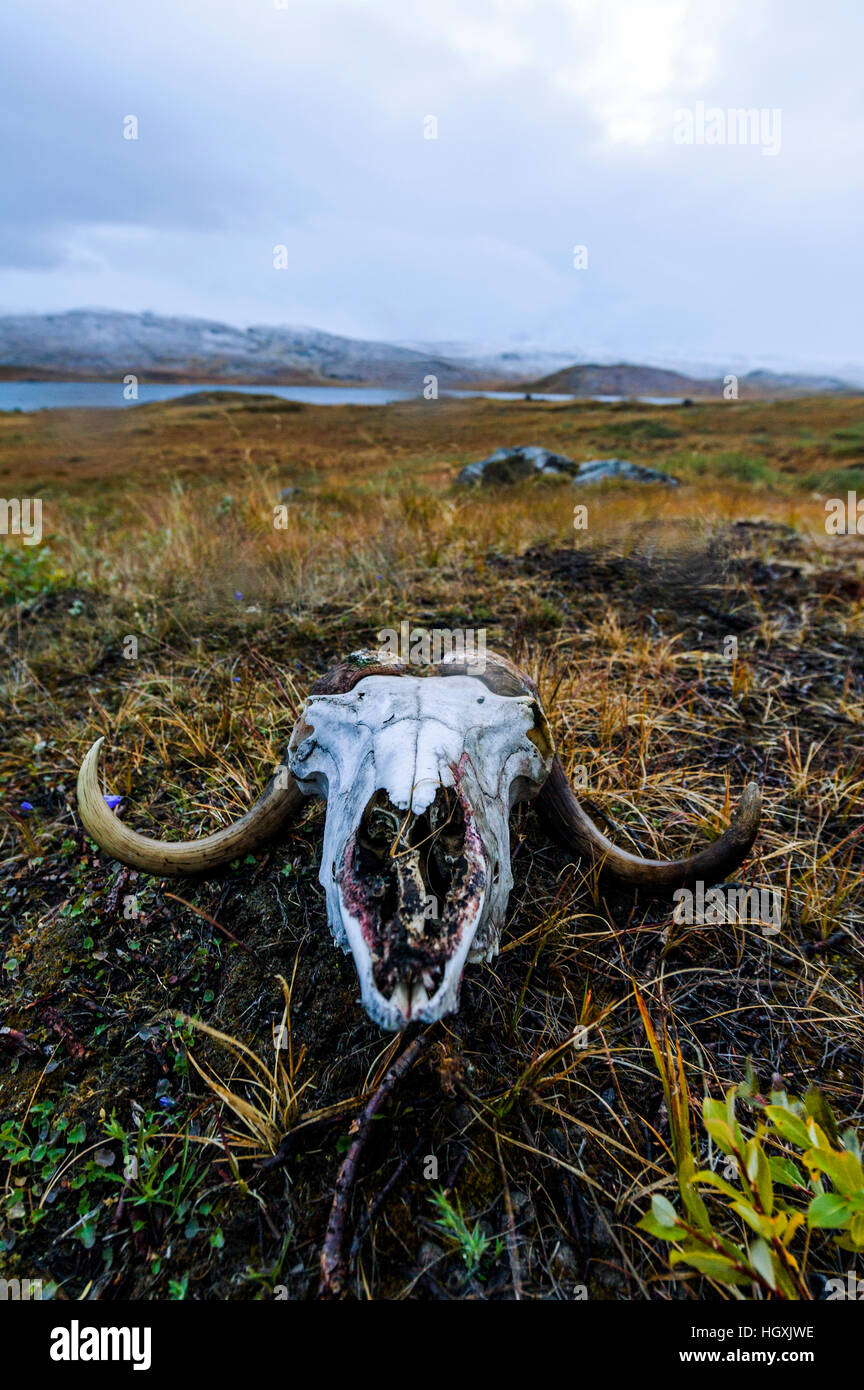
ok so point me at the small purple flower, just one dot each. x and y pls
(236, 680)
(112, 802)
(238, 597)
(26, 806)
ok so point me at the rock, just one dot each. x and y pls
(512, 465)
(527, 460)
(599, 470)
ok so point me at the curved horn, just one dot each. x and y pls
(575, 829)
(278, 803)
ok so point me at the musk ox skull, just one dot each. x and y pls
(420, 772)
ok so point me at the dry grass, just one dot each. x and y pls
(154, 519)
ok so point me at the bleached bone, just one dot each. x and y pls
(385, 756)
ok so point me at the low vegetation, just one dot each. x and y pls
(626, 1106)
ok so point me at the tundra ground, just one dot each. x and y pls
(685, 641)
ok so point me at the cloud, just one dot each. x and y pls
(303, 126)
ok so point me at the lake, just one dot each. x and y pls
(65, 395)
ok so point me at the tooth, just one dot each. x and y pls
(419, 997)
(401, 998)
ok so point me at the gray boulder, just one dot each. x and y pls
(528, 460)
(512, 465)
(599, 470)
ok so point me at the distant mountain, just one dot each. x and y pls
(95, 344)
(630, 379)
(102, 344)
(518, 364)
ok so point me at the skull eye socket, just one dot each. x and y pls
(379, 828)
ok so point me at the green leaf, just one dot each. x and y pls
(828, 1211)
(762, 1225)
(714, 1110)
(856, 1230)
(762, 1177)
(844, 1169)
(721, 1134)
(816, 1105)
(788, 1125)
(651, 1225)
(693, 1204)
(663, 1211)
(749, 1087)
(715, 1266)
(763, 1262)
(786, 1173)
(87, 1235)
(712, 1179)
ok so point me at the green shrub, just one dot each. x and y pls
(27, 571)
(793, 1175)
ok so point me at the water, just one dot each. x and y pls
(65, 395)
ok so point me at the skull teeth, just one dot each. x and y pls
(410, 998)
(402, 999)
(419, 997)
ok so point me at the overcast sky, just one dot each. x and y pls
(302, 125)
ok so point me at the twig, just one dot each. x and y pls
(368, 1216)
(333, 1264)
(219, 927)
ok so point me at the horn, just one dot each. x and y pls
(278, 803)
(571, 825)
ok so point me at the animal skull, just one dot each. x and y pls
(420, 773)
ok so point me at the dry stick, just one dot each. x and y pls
(368, 1216)
(219, 927)
(512, 1242)
(333, 1267)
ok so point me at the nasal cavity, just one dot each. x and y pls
(434, 840)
